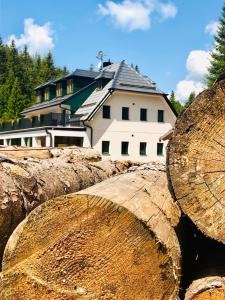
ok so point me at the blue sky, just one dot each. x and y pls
(168, 40)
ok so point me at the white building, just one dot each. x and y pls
(117, 111)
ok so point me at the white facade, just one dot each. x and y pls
(115, 130)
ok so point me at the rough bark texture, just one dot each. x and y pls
(114, 240)
(26, 184)
(22, 153)
(209, 288)
(196, 161)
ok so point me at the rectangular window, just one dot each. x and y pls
(59, 89)
(106, 112)
(124, 148)
(159, 149)
(125, 113)
(143, 114)
(38, 97)
(69, 86)
(47, 94)
(105, 147)
(160, 116)
(143, 147)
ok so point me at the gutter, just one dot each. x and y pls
(51, 137)
(88, 126)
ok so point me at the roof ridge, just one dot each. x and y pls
(117, 73)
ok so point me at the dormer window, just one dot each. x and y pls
(47, 94)
(59, 89)
(38, 96)
(69, 86)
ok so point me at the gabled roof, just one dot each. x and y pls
(124, 78)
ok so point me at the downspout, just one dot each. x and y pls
(51, 137)
(88, 126)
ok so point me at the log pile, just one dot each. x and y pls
(145, 234)
(25, 184)
(114, 240)
(196, 173)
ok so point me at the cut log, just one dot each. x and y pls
(25, 185)
(114, 240)
(196, 161)
(209, 288)
(77, 153)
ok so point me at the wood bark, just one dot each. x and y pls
(196, 161)
(114, 240)
(22, 153)
(26, 184)
(209, 288)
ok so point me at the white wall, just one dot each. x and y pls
(134, 131)
(36, 134)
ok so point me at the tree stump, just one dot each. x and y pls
(209, 288)
(114, 240)
(196, 161)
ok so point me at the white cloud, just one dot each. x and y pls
(186, 87)
(197, 64)
(212, 28)
(39, 39)
(167, 10)
(135, 14)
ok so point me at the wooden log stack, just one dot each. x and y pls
(125, 238)
(196, 173)
(115, 240)
(26, 184)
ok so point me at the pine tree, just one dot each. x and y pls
(176, 104)
(191, 98)
(20, 73)
(16, 101)
(48, 70)
(3, 62)
(217, 66)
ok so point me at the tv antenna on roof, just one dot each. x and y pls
(100, 55)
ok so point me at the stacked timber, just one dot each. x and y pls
(25, 184)
(196, 173)
(114, 240)
(123, 238)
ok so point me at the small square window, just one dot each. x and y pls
(124, 148)
(69, 86)
(105, 147)
(143, 147)
(38, 96)
(59, 89)
(47, 94)
(160, 116)
(143, 114)
(125, 113)
(106, 112)
(159, 149)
